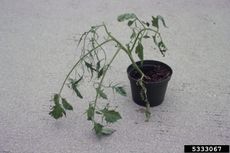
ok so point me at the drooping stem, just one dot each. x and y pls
(101, 81)
(126, 51)
(143, 30)
(75, 65)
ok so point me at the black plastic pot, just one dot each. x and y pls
(155, 89)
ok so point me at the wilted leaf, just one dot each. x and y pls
(77, 92)
(146, 36)
(126, 16)
(101, 93)
(77, 81)
(162, 20)
(56, 99)
(155, 22)
(120, 90)
(90, 112)
(98, 128)
(66, 105)
(139, 51)
(107, 131)
(130, 23)
(111, 116)
(162, 47)
(90, 67)
(57, 111)
(100, 73)
(74, 84)
(98, 65)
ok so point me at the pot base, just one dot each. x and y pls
(155, 89)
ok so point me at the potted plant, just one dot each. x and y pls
(148, 78)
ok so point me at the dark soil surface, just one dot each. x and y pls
(155, 73)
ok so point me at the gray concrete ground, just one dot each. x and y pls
(37, 50)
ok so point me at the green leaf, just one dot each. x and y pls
(100, 73)
(101, 93)
(111, 116)
(90, 66)
(57, 111)
(139, 51)
(126, 16)
(90, 112)
(77, 92)
(155, 22)
(98, 128)
(130, 23)
(162, 20)
(98, 65)
(107, 131)
(146, 36)
(162, 47)
(56, 99)
(156, 19)
(76, 82)
(120, 90)
(66, 105)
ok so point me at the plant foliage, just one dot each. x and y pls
(94, 64)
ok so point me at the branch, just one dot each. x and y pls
(80, 61)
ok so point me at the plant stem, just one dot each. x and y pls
(141, 22)
(126, 50)
(101, 81)
(144, 29)
(115, 40)
(63, 84)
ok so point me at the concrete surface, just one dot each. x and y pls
(37, 50)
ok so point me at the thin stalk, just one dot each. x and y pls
(115, 40)
(101, 81)
(126, 51)
(141, 22)
(145, 29)
(63, 84)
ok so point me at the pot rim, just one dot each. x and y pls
(148, 62)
